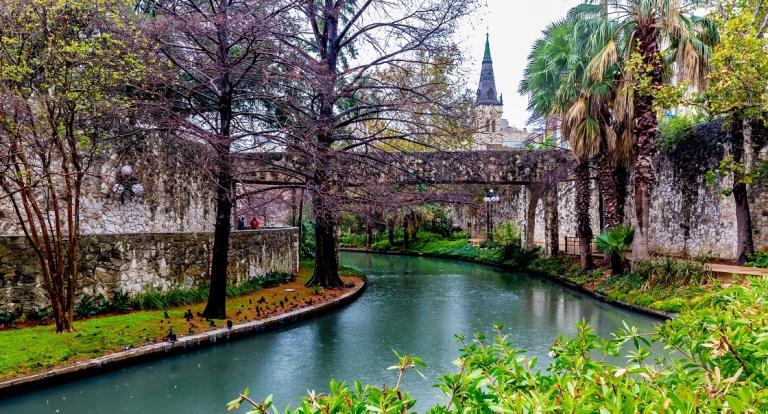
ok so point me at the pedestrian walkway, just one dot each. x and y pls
(727, 270)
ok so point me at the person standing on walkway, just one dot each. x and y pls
(254, 223)
(241, 223)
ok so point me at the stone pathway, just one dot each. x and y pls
(727, 270)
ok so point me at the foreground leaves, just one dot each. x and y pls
(713, 359)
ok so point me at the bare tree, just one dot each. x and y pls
(365, 81)
(219, 52)
(64, 68)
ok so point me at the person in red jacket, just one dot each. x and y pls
(254, 223)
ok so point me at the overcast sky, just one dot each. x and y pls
(513, 26)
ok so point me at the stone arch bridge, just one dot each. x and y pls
(529, 179)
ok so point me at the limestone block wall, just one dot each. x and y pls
(178, 192)
(135, 262)
(689, 218)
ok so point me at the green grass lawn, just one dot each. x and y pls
(32, 349)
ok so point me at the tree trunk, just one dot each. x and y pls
(645, 129)
(217, 295)
(368, 233)
(406, 234)
(301, 218)
(326, 272)
(530, 220)
(744, 241)
(62, 316)
(583, 227)
(391, 232)
(621, 179)
(617, 264)
(609, 191)
(552, 244)
(294, 208)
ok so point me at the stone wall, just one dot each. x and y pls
(178, 192)
(135, 262)
(689, 218)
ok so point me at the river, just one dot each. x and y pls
(413, 305)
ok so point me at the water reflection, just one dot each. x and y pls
(413, 305)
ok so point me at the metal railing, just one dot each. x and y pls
(572, 246)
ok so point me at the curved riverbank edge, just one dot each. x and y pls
(541, 275)
(15, 386)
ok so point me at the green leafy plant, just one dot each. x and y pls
(39, 315)
(316, 290)
(91, 305)
(509, 240)
(615, 243)
(759, 259)
(669, 272)
(7, 318)
(507, 234)
(708, 360)
(676, 129)
(120, 302)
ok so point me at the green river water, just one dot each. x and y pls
(414, 305)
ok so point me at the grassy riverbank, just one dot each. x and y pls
(32, 349)
(660, 284)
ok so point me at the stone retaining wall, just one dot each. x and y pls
(135, 262)
(688, 218)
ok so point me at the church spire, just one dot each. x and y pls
(487, 55)
(486, 90)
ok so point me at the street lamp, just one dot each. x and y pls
(127, 184)
(490, 198)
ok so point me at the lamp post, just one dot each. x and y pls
(490, 198)
(127, 185)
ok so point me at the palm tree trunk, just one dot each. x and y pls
(621, 180)
(609, 191)
(583, 227)
(645, 128)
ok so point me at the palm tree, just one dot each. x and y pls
(647, 40)
(546, 81)
(557, 84)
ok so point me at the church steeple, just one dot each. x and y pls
(486, 90)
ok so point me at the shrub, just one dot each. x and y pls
(507, 234)
(668, 272)
(39, 315)
(436, 220)
(7, 318)
(510, 244)
(307, 242)
(91, 305)
(352, 240)
(615, 243)
(459, 235)
(676, 129)
(716, 364)
(120, 302)
(759, 259)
